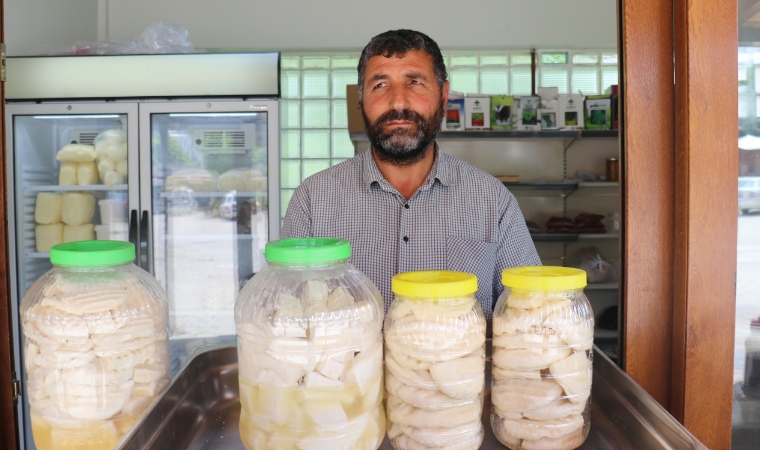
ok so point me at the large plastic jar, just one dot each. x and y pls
(543, 332)
(310, 351)
(95, 346)
(435, 336)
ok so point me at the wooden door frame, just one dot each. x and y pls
(679, 197)
(8, 420)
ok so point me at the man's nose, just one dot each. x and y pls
(399, 99)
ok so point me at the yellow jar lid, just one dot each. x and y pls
(434, 283)
(543, 278)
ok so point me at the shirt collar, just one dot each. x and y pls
(442, 171)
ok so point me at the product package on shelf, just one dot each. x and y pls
(454, 119)
(614, 97)
(526, 114)
(571, 112)
(598, 112)
(549, 107)
(477, 112)
(435, 361)
(501, 112)
(111, 150)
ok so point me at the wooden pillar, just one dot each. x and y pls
(704, 300)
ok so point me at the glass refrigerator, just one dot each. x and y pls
(190, 176)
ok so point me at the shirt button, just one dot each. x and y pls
(406, 205)
(406, 238)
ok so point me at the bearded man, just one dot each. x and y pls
(405, 205)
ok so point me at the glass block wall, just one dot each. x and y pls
(314, 121)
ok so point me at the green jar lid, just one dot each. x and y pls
(307, 250)
(92, 253)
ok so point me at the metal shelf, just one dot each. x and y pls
(91, 187)
(490, 134)
(582, 236)
(554, 237)
(605, 334)
(602, 287)
(567, 187)
(174, 194)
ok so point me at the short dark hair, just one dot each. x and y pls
(398, 43)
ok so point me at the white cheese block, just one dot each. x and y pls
(77, 153)
(121, 167)
(78, 208)
(117, 152)
(68, 174)
(84, 232)
(105, 166)
(47, 236)
(47, 210)
(87, 174)
(113, 178)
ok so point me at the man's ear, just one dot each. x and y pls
(445, 93)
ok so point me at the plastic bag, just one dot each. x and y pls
(161, 37)
(597, 270)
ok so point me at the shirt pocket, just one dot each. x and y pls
(475, 257)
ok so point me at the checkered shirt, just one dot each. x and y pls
(461, 219)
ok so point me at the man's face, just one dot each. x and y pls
(402, 106)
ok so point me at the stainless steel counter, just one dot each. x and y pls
(201, 408)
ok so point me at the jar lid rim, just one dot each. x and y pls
(307, 250)
(92, 253)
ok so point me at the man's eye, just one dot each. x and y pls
(415, 82)
(379, 85)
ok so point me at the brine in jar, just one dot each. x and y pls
(310, 351)
(435, 361)
(543, 331)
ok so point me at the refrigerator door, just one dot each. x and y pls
(57, 194)
(210, 202)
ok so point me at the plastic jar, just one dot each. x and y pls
(95, 346)
(435, 336)
(543, 332)
(310, 350)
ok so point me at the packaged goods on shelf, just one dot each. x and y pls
(46, 236)
(435, 361)
(112, 232)
(67, 176)
(77, 208)
(455, 113)
(598, 112)
(87, 174)
(95, 346)
(571, 114)
(199, 180)
(591, 261)
(111, 150)
(48, 207)
(543, 334)
(114, 178)
(526, 112)
(549, 112)
(477, 112)
(76, 153)
(501, 112)
(112, 211)
(614, 97)
(84, 232)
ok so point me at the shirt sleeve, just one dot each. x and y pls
(516, 247)
(297, 221)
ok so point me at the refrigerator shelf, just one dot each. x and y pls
(212, 194)
(56, 188)
(598, 236)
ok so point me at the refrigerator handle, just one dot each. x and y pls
(133, 233)
(144, 222)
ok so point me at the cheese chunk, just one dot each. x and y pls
(84, 232)
(48, 236)
(47, 210)
(105, 166)
(117, 152)
(78, 208)
(68, 174)
(76, 153)
(113, 178)
(87, 173)
(121, 167)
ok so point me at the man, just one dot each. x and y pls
(405, 205)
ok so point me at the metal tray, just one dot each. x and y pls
(201, 408)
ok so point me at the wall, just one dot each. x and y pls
(34, 25)
(298, 25)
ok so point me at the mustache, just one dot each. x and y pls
(401, 114)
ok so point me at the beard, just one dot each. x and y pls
(403, 146)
